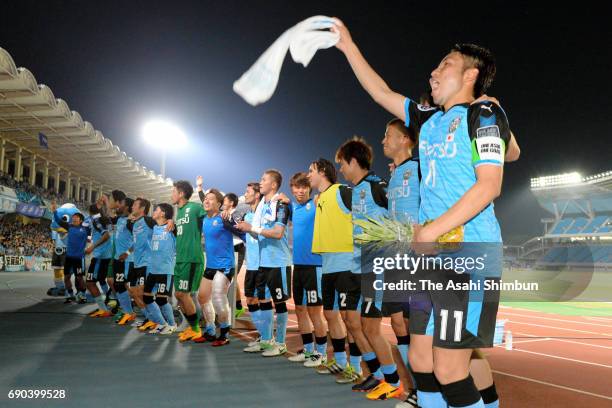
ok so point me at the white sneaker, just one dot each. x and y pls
(278, 349)
(299, 357)
(167, 329)
(137, 323)
(255, 342)
(315, 360)
(258, 347)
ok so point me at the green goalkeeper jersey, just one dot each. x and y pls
(189, 233)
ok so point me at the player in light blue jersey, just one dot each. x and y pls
(270, 225)
(369, 199)
(160, 272)
(462, 150)
(101, 251)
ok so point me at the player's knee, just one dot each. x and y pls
(371, 330)
(447, 373)
(161, 300)
(420, 360)
(148, 299)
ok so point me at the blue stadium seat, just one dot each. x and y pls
(561, 226)
(595, 224)
(577, 226)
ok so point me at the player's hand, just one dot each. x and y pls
(89, 250)
(423, 242)
(170, 226)
(123, 256)
(486, 98)
(345, 37)
(244, 226)
(282, 197)
(226, 215)
(199, 182)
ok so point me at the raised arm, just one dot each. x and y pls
(378, 89)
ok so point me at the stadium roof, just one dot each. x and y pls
(28, 108)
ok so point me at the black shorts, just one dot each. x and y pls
(74, 266)
(122, 270)
(159, 284)
(136, 276)
(254, 283)
(58, 259)
(97, 270)
(341, 290)
(464, 319)
(371, 308)
(209, 273)
(277, 284)
(307, 285)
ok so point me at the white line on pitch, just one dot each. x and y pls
(555, 319)
(558, 357)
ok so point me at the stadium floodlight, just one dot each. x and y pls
(163, 136)
(557, 180)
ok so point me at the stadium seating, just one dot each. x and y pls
(582, 254)
(561, 226)
(594, 225)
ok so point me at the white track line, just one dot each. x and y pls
(555, 319)
(558, 357)
(531, 341)
(561, 328)
(581, 343)
(553, 385)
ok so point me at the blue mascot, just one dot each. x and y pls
(60, 238)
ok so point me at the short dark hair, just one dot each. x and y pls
(299, 180)
(356, 148)
(143, 202)
(217, 194)
(482, 59)
(255, 186)
(407, 132)
(129, 204)
(118, 195)
(276, 175)
(93, 209)
(183, 186)
(327, 168)
(167, 210)
(233, 198)
(80, 216)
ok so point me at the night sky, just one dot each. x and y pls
(120, 64)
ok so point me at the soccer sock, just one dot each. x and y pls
(239, 304)
(462, 393)
(282, 316)
(373, 365)
(69, 293)
(193, 321)
(104, 287)
(390, 373)
(154, 313)
(403, 345)
(168, 313)
(267, 320)
(255, 316)
(322, 345)
(210, 329)
(125, 302)
(339, 351)
(308, 342)
(225, 328)
(100, 302)
(428, 391)
(490, 397)
(355, 357)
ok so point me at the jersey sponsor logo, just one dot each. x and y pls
(487, 131)
(486, 107)
(448, 149)
(424, 108)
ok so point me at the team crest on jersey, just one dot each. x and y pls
(407, 175)
(215, 223)
(308, 207)
(454, 125)
(424, 108)
(362, 194)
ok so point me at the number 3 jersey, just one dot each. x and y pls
(452, 145)
(163, 249)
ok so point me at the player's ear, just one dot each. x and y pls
(470, 75)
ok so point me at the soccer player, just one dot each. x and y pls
(333, 240)
(101, 249)
(141, 227)
(160, 270)
(219, 272)
(189, 256)
(307, 275)
(123, 261)
(230, 204)
(461, 151)
(270, 225)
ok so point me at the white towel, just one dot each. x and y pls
(303, 40)
(259, 217)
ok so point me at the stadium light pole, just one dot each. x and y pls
(163, 136)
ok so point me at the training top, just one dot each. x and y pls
(124, 240)
(274, 253)
(163, 251)
(252, 246)
(189, 233)
(303, 218)
(99, 227)
(77, 237)
(219, 244)
(403, 192)
(142, 230)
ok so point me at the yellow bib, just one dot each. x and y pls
(333, 228)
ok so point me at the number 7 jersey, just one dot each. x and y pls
(452, 145)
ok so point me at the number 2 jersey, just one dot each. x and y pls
(452, 145)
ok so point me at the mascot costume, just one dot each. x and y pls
(60, 237)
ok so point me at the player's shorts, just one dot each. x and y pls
(59, 258)
(341, 291)
(464, 319)
(374, 309)
(209, 273)
(136, 277)
(97, 270)
(307, 285)
(374, 303)
(159, 284)
(254, 282)
(122, 270)
(74, 266)
(187, 276)
(277, 284)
